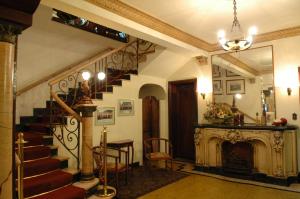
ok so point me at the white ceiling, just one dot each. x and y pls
(203, 18)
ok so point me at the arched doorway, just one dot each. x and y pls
(151, 95)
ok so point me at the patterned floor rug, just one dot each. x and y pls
(142, 180)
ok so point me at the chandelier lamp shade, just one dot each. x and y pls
(238, 40)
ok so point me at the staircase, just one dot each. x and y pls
(46, 175)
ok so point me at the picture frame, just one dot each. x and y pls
(105, 116)
(235, 86)
(231, 74)
(216, 71)
(217, 87)
(125, 107)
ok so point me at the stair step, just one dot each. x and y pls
(67, 192)
(33, 138)
(45, 183)
(38, 127)
(41, 166)
(36, 152)
(64, 161)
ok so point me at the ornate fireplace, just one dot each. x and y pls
(237, 158)
(254, 152)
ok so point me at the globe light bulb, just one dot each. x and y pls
(238, 96)
(252, 30)
(221, 34)
(86, 75)
(101, 75)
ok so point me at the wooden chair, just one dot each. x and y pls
(157, 149)
(115, 164)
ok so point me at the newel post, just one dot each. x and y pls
(87, 110)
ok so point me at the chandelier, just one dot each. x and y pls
(238, 40)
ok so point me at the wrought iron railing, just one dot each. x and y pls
(65, 89)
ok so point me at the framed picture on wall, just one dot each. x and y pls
(126, 107)
(105, 116)
(217, 87)
(230, 74)
(235, 86)
(216, 71)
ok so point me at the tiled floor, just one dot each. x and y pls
(198, 187)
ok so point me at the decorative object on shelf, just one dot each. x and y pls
(217, 87)
(270, 117)
(235, 86)
(280, 122)
(218, 113)
(126, 107)
(237, 42)
(105, 116)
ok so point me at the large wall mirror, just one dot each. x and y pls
(245, 77)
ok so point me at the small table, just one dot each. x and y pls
(121, 144)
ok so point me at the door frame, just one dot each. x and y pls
(171, 85)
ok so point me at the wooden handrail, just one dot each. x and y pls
(55, 74)
(245, 114)
(65, 106)
(78, 67)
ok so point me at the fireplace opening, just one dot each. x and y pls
(237, 158)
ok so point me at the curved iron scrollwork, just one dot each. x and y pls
(115, 65)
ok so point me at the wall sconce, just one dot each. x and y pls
(289, 91)
(203, 95)
(204, 86)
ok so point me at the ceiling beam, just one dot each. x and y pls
(147, 20)
(239, 63)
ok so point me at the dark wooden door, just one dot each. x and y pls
(183, 115)
(150, 117)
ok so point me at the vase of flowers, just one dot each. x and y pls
(218, 113)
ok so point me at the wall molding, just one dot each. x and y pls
(149, 21)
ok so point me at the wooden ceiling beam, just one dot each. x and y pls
(231, 59)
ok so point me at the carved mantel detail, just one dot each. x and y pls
(234, 136)
(275, 152)
(278, 142)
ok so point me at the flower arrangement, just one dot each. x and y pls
(218, 113)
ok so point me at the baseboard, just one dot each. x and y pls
(258, 177)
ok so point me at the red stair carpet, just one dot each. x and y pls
(43, 178)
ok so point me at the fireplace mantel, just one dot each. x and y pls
(275, 151)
